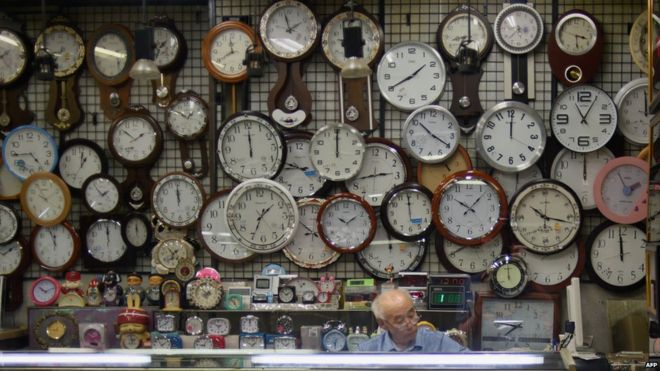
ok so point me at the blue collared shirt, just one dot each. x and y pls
(426, 341)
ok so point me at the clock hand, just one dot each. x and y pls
(250, 142)
(52, 236)
(467, 207)
(409, 209)
(434, 136)
(8, 250)
(408, 78)
(342, 220)
(288, 28)
(511, 128)
(107, 234)
(178, 196)
(127, 133)
(336, 143)
(589, 109)
(582, 117)
(314, 234)
(513, 327)
(295, 26)
(539, 213)
(138, 137)
(620, 246)
(584, 167)
(296, 166)
(626, 188)
(373, 175)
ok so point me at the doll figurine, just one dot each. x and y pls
(94, 298)
(134, 292)
(153, 291)
(112, 292)
(133, 328)
(71, 294)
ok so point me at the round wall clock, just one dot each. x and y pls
(508, 276)
(346, 223)
(224, 48)
(111, 54)
(332, 37)
(101, 194)
(10, 184)
(469, 259)
(406, 212)
(80, 159)
(262, 215)
(187, 116)
(298, 175)
(15, 257)
(469, 208)
(45, 199)
(337, 151)
(10, 223)
(167, 254)
(411, 75)
(637, 41)
(431, 175)
(29, 149)
(464, 26)
(177, 199)
(66, 45)
(55, 248)
(431, 134)
(45, 291)
(620, 190)
(104, 246)
(634, 116)
(552, 273)
(17, 54)
(213, 231)
(136, 230)
(289, 30)
(518, 28)
(135, 138)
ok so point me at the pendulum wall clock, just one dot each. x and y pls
(16, 59)
(170, 51)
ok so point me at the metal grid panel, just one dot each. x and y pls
(403, 20)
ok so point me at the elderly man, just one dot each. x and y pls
(395, 313)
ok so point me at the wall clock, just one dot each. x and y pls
(29, 149)
(101, 194)
(507, 276)
(136, 230)
(346, 223)
(17, 58)
(10, 184)
(10, 223)
(620, 190)
(15, 257)
(55, 248)
(187, 119)
(307, 249)
(213, 231)
(78, 160)
(224, 48)
(616, 256)
(170, 52)
(103, 245)
(167, 254)
(634, 116)
(411, 75)
(45, 291)
(637, 41)
(289, 32)
(583, 118)
(406, 212)
(298, 175)
(177, 199)
(110, 56)
(337, 151)
(469, 259)
(431, 175)
(431, 134)
(469, 208)
(262, 215)
(553, 272)
(45, 199)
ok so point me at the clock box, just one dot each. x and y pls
(449, 292)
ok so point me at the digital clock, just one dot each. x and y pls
(449, 292)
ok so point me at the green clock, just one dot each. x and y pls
(234, 302)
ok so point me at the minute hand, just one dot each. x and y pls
(408, 78)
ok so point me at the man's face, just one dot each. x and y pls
(401, 322)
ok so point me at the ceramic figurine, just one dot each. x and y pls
(134, 291)
(112, 292)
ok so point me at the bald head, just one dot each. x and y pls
(389, 301)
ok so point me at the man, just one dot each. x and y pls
(396, 314)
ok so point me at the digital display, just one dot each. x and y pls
(447, 298)
(262, 283)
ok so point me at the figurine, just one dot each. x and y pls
(132, 327)
(153, 291)
(112, 292)
(94, 297)
(71, 294)
(134, 291)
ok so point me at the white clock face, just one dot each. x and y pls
(510, 136)
(249, 147)
(307, 249)
(518, 28)
(411, 75)
(516, 323)
(634, 116)
(337, 151)
(552, 269)
(578, 171)
(511, 182)
(250, 324)
(333, 37)
(162, 342)
(187, 118)
(653, 222)
(110, 54)
(13, 56)
(383, 168)
(104, 241)
(8, 224)
(455, 33)
(218, 326)
(576, 34)
(136, 232)
(346, 223)
(206, 296)
(102, 195)
(228, 51)
(262, 215)
(298, 175)
(44, 291)
(386, 256)
(472, 259)
(583, 118)
(508, 276)
(29, 149)
(45, 199)
(170, 252)
(215, 231)
(134, 139)
(431, 134)
(66, 46)
(53, 246)
(11, 256)
(288, 29)
(617, 255)
(545, 216)
(77, 163)
(130, 340)
(166, 46)
(623, 187)
(177, 199)
(165, 322)
(408, 212)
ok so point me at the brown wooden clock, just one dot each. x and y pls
(170, 51)
(187, 118)
(64, 41)
(16, 56)
(110, 55)
(575, 47)
(289, 32)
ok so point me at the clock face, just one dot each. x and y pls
(135, 139)
(206, 294)
(518, 28)
(576, 34)
(332, 37)
(620, 190)
(224, 50)
(289, 29)
(101, 194)
(250, 146)
(130, 340)
(465, 26)
(337, 151)
(431, 133)
(578, 171)
(334, 341)
(554, 272)
(9, 224)
(55, 248)
(469, 208)
(298, 175)
(187, 116)
(637, 41)
(431, 175)
(168, 253)
(45, 291)
(262, 215)
(510, 136)
(411, 75)
(634, 115)
(583, 118)
(384, 167)
(545, 216)
(346, 223)
(177, 199)
(616, 256)
(45, 198)
(79, 160)
(406, 212)
(511, 182)
(165, 322)
(508, 276)
(65, 45)
(386, 256)
(136, 230)
(468, 259)
(104, 242)
(653, 222)
(250, 324)
(214, 233)
(29, 149)
(14, 56)
(166, 46)
(218, 326)
(12, 256)
(307, 249)
(111, 53)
